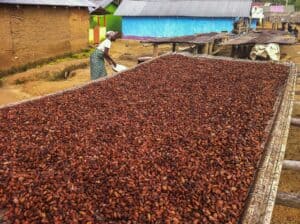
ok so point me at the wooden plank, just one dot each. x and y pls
(288, 199)
(291, 165)
(210, 48)
(206, 48)
(295, 122)
(96, 35)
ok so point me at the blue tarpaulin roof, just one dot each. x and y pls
(70, 3)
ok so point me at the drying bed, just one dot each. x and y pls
(178, 139)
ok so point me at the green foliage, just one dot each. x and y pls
(111, 8)
(297, 5)
(114, 23)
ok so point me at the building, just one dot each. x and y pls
(34, 30)
(166, 18)
(103, 19)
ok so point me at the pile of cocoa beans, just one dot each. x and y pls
(176, 140)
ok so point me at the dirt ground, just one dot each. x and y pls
(44, 80)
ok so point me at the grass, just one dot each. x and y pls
(65, 73)
(57, 75)
(52, 60)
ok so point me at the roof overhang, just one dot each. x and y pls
(66, 3)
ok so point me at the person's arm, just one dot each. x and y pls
(108, 58)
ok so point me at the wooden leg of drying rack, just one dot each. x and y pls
(295, 122)
(206, 48)
(211, 48)
(173, 47)
(155, 50)
(291, 165)
(288, 199)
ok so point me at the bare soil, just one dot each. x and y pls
(42, 80)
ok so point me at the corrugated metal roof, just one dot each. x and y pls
(194, 8)
(70, 3)
(99, 4)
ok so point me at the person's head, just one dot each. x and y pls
(111, 35)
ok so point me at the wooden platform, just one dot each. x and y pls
(262, 195)
(262, 37)
(204, 43)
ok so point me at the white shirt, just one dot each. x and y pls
(104, 44)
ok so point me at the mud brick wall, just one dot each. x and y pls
(31, 33)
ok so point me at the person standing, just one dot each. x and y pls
(102, 52)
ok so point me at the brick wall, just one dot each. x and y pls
(31, 33)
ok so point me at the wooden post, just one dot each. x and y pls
(206, 48)
(173, 47)
(155, 50)
(247, 51)
(295, 122)
(199, 48)
(195, 50)
(242, 51)
(291, 165)
(233, 51)
(273, 26)
(249, 25)
(238, 51)
(211, 48)
(288, 199)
